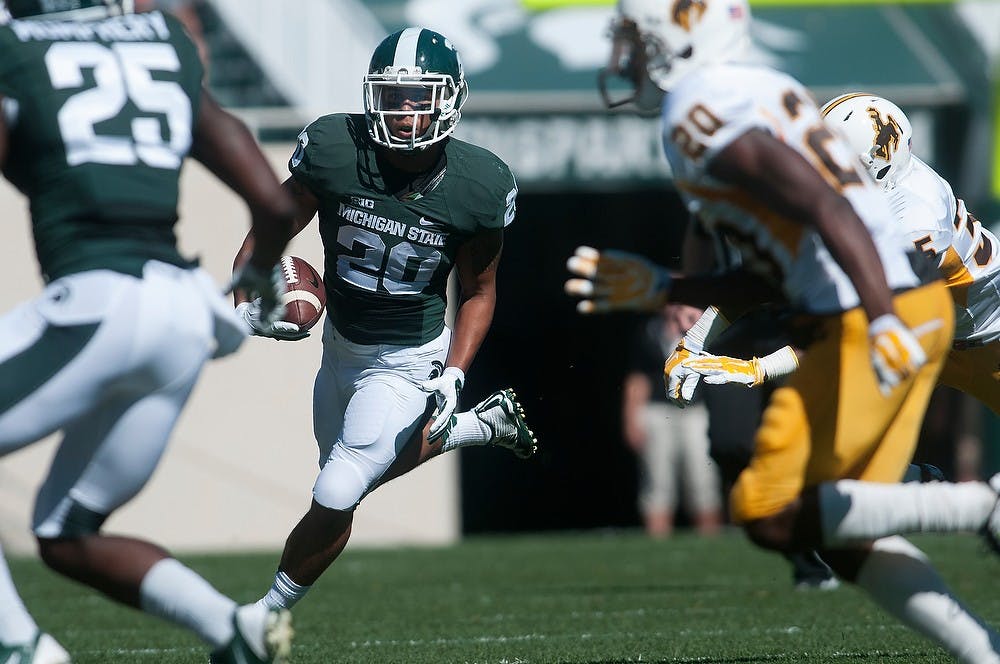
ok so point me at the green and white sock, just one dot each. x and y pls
(467, 430)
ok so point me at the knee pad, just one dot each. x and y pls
(339, 486)
(69, 519)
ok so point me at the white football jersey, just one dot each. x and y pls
(712, 107)
(939, 225)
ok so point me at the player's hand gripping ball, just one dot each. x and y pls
(301, 302)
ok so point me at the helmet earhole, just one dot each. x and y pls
(882, 173)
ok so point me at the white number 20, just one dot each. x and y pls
(406, 270)
(122, 72)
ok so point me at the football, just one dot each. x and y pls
(305, 296)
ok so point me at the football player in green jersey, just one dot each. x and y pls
(401, 204)
(98, 109)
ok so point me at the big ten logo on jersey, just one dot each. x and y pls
(366, 203)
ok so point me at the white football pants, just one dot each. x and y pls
(367, 404)
(110, 360)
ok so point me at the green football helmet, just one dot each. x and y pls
(414, 74)
(80, 10)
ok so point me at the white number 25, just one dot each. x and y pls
(122, 72)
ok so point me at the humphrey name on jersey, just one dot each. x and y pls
(149, 26)
(382, 224)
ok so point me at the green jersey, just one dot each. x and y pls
(99, 116)
(388, 257)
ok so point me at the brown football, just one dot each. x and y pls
(305, 296)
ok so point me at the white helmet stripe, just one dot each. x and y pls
(406, 48)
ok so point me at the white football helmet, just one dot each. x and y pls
(414, 72)
(656, 42)
(877, 130)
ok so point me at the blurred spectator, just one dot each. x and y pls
(187, 12)
(672, 443)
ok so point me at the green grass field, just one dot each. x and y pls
(570, 599)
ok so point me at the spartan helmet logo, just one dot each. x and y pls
(887, 134)
(686, 13)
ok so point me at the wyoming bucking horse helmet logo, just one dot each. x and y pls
(686, 13)
(887, 134)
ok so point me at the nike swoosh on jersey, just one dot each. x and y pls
(424, 221)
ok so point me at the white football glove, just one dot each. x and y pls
(265, 287)
(282, 330)
(445, 389)
(896, 354)
(612, 280)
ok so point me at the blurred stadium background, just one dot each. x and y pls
(239, 472)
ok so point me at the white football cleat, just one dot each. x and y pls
(504, 417)
(263, 636)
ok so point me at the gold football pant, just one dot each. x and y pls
(975, 371)
(831, 421)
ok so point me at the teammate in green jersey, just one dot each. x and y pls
(98, 109)
(401, 205)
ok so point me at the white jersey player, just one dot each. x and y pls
(938, 224)
(702, 116)
(759, 169)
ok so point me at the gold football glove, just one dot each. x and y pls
(722, 370)
(896, 354)
(613, 280)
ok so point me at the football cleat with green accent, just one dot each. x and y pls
(504, 417)
(259, 639)
(42, 650)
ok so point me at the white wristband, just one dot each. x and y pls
(779, 363)
(705, 330)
